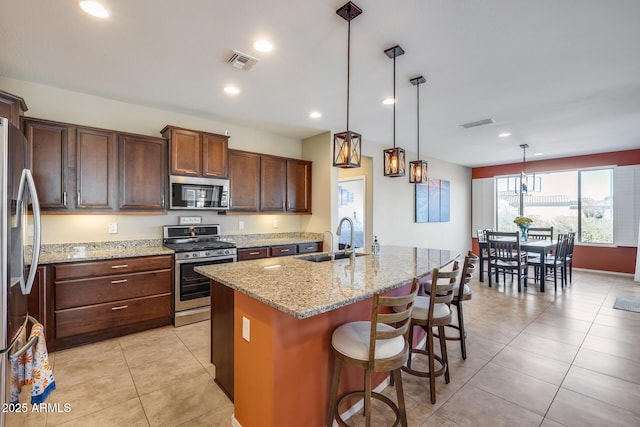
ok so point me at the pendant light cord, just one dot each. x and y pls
(348, 64)
(418, 116)
(394, 98)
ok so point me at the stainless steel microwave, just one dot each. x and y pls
(198, 193)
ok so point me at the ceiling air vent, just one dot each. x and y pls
(242, 61)
(478, 123)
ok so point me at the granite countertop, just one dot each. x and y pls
(96, 251)
(304, 289)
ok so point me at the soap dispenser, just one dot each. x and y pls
(375, 247)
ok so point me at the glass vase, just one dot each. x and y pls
(524, 232)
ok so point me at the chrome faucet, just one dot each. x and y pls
(339, 231)
(330, 251)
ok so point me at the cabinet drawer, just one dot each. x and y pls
(113, 266)
(82, 320)
(79, 292)
(305, 248)
(283, 250)
(252, 253)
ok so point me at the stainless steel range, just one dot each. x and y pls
(195, 245)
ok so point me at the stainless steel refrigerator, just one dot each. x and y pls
(19, 249)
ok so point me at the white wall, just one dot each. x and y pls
(52, 103)
(393, 206)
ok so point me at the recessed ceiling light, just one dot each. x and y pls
(388, 101)
(538, 154)
(315, 114)
(94, 8)
(263, 46)
(232, 90)
(504, 134)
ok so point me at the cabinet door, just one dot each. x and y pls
(214, 155)
(298, 186)
(142, 172)
(96, 169)
(48, 143)
(186, 149)
(244, 177)
(273, 182)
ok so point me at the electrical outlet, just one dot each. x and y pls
(246, 329)
(275, 223)
(240, 225)
(113, 227)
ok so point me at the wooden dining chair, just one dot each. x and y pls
(569, 257)
(555, 265)
(505, 256)
(482, 240)
(540, 233)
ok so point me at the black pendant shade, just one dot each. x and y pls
(347, 145)
(418, 169)
(394, 158)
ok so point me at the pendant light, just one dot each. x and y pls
(418, 171)
(346, 145)
(394, 158)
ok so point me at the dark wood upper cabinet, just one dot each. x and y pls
(273, 184)
(49, 150)
(196, 153)
(96, 169)
(244, 177)
(298, 186)
(214, 155)
(12, 107)
(83, 169)
(270, 184)
(142, 172)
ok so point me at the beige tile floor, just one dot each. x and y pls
(552, 359)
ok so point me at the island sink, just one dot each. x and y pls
(326, 257)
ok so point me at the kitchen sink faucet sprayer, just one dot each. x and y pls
(339, 231)
(330, 251)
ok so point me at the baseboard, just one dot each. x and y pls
(360, 403)
(613, 273)
(234, 421)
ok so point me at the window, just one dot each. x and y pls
(579, 201)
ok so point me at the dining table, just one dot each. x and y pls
(540, 247)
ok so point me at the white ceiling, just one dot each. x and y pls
(562, 76)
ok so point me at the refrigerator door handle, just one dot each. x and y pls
(37, 229)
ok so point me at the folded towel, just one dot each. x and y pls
(33, 368)
(16, 365)
(39, 370)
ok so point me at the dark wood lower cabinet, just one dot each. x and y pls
(92, 301)
(222, 332)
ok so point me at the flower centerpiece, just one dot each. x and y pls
(523, 223)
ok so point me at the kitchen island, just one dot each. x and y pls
(289, 307)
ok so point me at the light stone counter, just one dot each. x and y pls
(304, 289)
(96, 251)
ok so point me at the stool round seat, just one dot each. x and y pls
(352, 340)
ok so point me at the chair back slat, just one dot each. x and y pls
(382, 313)
(467, 268)
(540, 233)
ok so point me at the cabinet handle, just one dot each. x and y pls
(283, 208)
(120, 266)
(115, 282)
(162, 200)
(310, 247)
(254, 253)
(64, 198)
(78, 201)
(284, 250)
(120, 307)
(289, 205)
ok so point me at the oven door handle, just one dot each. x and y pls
(216, 260)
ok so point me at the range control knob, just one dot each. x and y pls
(185, 256)
(195, 255)
(207, 253)
(227, 251)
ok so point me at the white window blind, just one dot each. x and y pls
(626, 205)
(483, 204)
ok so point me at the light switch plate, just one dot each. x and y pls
(240, 225)
(275, 223)
(113, 227)
(246, 329)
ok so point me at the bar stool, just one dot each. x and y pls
(377, 346)
(429, 312)
(462, 292)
